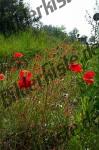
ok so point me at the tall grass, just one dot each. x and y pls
(59, 116)
(34, 40)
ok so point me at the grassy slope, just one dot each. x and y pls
(45, 119)
(28, 40)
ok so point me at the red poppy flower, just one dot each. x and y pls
(2, 77)
(18, 55)
(25, 79)
(88, 77)
(75, 67)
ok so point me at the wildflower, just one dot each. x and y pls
(75, 67)
(25, 79)
(13, 69)
(18, 55)
(37, 69)
(51, 55)
(2, 77)
(88, 77)
(56, 81)
(38, 57)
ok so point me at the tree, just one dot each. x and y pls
(14, 16)
(55, 31)
(92, 39)
(83, 39)
(74, 34)
(94, 22)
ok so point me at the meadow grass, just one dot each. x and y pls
(27, 41)
(59, 116)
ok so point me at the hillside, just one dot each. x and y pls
(49, 95)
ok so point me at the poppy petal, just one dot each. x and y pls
(88, 77)
(21, 74)
(76, 68)
(2, 76)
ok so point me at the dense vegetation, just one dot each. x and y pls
(49, 87)
(60, 115)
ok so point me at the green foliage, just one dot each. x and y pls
(14, 16)
(74, 34)
(62, 115)
(58, 32)
(28, 42)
